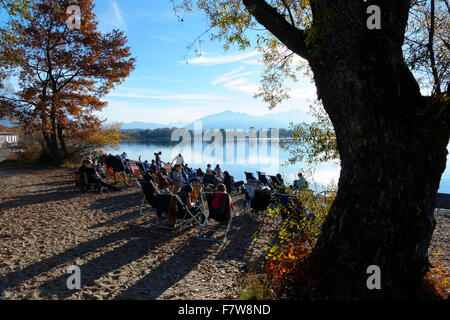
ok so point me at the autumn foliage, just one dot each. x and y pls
(63, 74)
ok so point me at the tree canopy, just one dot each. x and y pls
(62, 74)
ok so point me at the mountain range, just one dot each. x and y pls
(231, 120)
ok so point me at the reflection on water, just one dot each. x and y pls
(241, 155)
(237, 156)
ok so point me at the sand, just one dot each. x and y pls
(47, 225)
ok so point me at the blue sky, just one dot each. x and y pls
(171, 83)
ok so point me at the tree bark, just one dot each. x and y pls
(62, 141)
(393, 152)
(392, 146)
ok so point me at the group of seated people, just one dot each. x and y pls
(95, 171)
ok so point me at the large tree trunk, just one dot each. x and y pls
(392, 151)
(392, 145)
(62, 142)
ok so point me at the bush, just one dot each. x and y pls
(287, 263)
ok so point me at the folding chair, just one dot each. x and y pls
(249, 194)
(209, 180)
(291, 203)
(141, 167)
(226, 216)
(260, 201)
(275, 180)
(262, 177)
(195, 194)
(161, 203)
(249, 176)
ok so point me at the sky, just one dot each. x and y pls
(170, 83)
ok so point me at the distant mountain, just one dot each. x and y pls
(230, 120)
(151, 125)
(239, 120)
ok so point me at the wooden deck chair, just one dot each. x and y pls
(137, 174)
(223, 215)
(195, 194)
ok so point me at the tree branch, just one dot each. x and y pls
(292, 37)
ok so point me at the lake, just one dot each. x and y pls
(241, 155)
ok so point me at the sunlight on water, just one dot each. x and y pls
(265, 156)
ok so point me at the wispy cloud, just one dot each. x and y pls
(232, 75)
(118, 14)
(242, 85)
(112, 18)
(235, 80)
(163, 38)
(206, 60)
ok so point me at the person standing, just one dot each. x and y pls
(178, 159)
(158, 159)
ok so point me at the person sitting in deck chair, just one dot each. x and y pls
(177, 176)
(229, 182)
(218, 172)
(221, 192)
(301, 183)
(152, 168)
(209, 170)
(116, 164)
(200, 172)
(145, 165)
(89, 175)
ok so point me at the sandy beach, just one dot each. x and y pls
(46, 225)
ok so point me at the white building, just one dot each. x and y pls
(8, 138)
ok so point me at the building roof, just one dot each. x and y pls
(4, 129)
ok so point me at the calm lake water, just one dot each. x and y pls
(238, 156)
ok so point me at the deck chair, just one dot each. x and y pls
(209, 180)
(275, 180)
(223, 215)
(249, 176)
(137, 174)
(161, 203)
(175, 187)
(195, 194)
(168, 167)
(292, 203)
(262, 177)
(260, 201)
(250, 189)
(140, 166)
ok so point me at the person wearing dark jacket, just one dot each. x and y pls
(229, 182)
(92, 177)
(116, 164)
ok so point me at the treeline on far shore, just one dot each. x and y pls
(165, 134)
